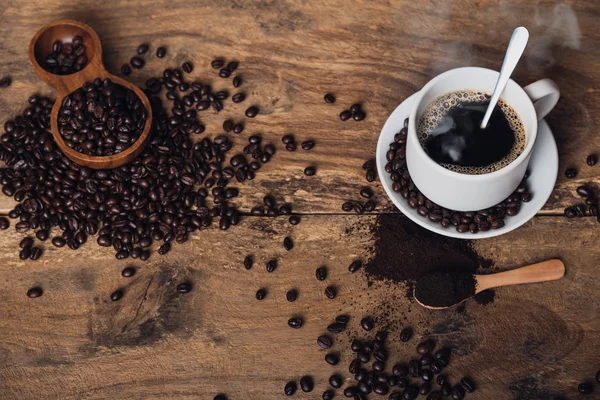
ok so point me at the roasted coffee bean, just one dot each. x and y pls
(288, 243)
(142, 48)
(405, 334)
(336, 381)
(410, 392)
(294, 220)
(185, 287)
(425, 388)
(332, 359)
(4, 223)
(325, 342)
(238, 97)
(291, 295)
(354, 366)
(328, 395)
(26, 242)
(308, 144)
(585, 388)
(351, 391)
(355, 266)
(35, 292)
(584, 191)
(395, 396)
(370, 175)
(187, 67)
(5, 82)
(336, 327)
(306, 384)
(128, 272)
(426, 374)
(467, 384)
(310, 171)
(161, 52)
(348, 206)
(329, 98)
(261, 294)
(291, 386)
(426, 360)
(366, 193)
(359, 115)
(400, 370)
(458, 393)
(571, 173)
(381, 388)
(342, 319)
(321, 273)
(126, 70)
(441, 379)
(42, 235)
(354, 108)
(25, 253)
(425, 346)
(36, 253)
(116, 295)
(137, 62)
(248, 262)
(271, 265)
(58, 241)
(591, 160)
(367, 323)
(345, 115)
(330, 292)
(445, 389)
(414, 368)
(378, 366)
(252, 112)
(295, 322)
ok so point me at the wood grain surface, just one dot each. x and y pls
(534, 342)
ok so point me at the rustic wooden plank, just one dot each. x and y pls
(73, 342)
(375, 52)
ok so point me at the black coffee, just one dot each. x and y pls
(450, 132)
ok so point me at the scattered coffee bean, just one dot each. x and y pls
(355, 266)
(425, 346)
(5, 82)
(252, 112)
(116, 295)
(36, 253)
(128, 272)
(325, 342)
(143, 48)
(328, 395)
(306, 384)
(137, 62)
(35, 292)
(271, 265)
(261, 294)
(187, 67)
(329, 98)
(291, 295)
(58, 241)
(236, 82)
(4, 223)
(295, 322)
(288, 243)
(585, 388)
(336, 327)
(25, 253)
(26, 242)
(467, 384)
(584, 191)
(248, 262)
(359, 115)
(345, 115)
(217, 63)
(238, 98)
(591, 160)
(351, 391)
(291, 386)
(332, 359)
(366, 193)
(348, 206)
(185, 287)
(161, 52)
(367, 323)
(310, 171)
(458, 393)
(405, 334)
(294, 219)
(342, 319)
(321, 273)
(126, 70)
(330, 292)
(571, 173)
(308, 144)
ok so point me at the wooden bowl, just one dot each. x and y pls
(41, 46)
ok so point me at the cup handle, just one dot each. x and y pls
(544, 94)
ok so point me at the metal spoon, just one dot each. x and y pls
(515, 49)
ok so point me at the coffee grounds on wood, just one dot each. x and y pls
(404, 252)
(444, 289)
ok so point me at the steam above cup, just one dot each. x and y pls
(466, 192)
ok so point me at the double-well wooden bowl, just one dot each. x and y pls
(41, 46)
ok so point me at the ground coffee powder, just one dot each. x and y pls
(444, 289)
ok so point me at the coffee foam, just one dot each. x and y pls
(439, 107)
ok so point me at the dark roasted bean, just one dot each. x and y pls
(291, 295)
(288, 243)
(367, 323)
(330, 292)
(321, 273)
(591, 160)
(325, 342)
(345, 115)
(161, 52)
(306, 384)
(405, 334)
(329, 98)
(35, 292)
(261, 294)
(185, 287)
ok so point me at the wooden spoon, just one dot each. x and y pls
(541, 272)
(41, 46)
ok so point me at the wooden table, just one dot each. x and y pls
(534, 342)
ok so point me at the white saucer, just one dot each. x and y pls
(543, 171)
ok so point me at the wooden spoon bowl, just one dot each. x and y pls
(41, 46)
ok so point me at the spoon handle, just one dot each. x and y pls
(541, 272)
(515, 49)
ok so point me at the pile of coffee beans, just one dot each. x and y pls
(66, 58)
(355, 112)
(470, 221)
(588, 208)
(101, 118)
(173, 188)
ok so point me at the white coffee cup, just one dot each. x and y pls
(464, 192)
